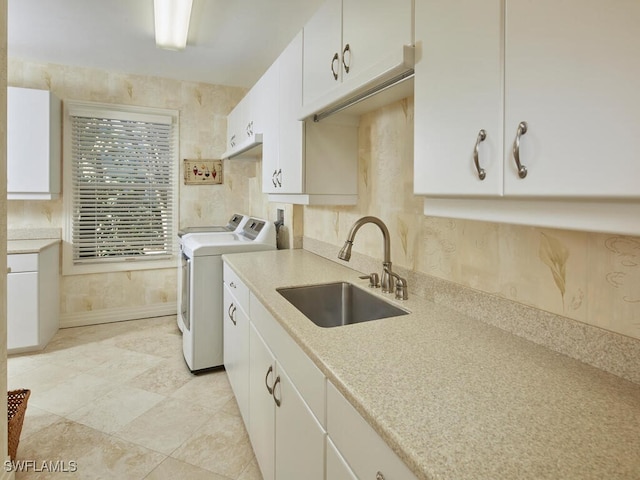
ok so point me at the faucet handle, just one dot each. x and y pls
(374, 280)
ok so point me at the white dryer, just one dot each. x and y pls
(202, 312)
(235, 224)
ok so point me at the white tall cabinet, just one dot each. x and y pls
(568, 70)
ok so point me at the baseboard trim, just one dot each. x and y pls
(121, 314)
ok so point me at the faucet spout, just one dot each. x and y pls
(386, 281)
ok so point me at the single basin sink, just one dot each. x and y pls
(339, 303)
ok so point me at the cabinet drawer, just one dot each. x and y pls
(360, 445)
(22, 262)
(304, 374)
(237, 287)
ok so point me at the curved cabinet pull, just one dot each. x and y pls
(232, 285)
(346, 65)
(279, 178)
(334, 70)
(231, 312)
(522, 129)
(266, 380)
(276, 399)
(482, 135)
(273, 178)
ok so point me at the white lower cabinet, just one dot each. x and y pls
(358, 444)
(33, 302)
(337, 466)
(287, 438)
(235, 328)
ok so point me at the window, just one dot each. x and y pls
(121, 187)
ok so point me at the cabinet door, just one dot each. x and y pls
(262, 426)
(22, 310)
(300, 440)
(374, 30)
(33, 143)
(322, 42)
(236, 122)
(291, 130)
(571, 73)
(337, 467)
(236, 350)
(458, 93)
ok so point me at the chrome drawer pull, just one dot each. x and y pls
(266, 380)
(231, 312)
(482, 135)
(344, 63)
(333, 62)
(522, 129)
(276, 399)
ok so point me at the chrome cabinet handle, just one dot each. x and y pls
(522, 129)
(266, 380)
(333, 62)
(232, 140)
(231, 312)
(276, 399)
(344, 52)
(232, 285)
(273, 178)
(279, 178)
(482, 135)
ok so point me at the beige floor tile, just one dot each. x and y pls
(221, 445)
(64, 440)
(172, 469)
(153, 342)
(252, 472)
(114, 458)
(210, 390)
(113, 411)
(165, 378)
(125, 365)
(20, 364)
(166, 426)
(35, 419)
(71, 395)
(42, 378)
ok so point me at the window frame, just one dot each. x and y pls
(113, 111)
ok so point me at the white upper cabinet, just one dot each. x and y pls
(458, 93)
(309, 163)
(33, 144)
(350, 45)
(250, 121)
(567, 71)
(571, 73)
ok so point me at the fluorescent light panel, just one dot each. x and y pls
(172, 23)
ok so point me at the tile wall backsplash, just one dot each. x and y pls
(590, 277)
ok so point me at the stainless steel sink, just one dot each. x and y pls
(339, 303)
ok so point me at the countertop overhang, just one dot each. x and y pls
(454, 397)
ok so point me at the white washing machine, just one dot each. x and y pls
(235, 224)
(202, 312)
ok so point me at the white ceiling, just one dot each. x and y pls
(231, 42)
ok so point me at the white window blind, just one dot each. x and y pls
(122, 187)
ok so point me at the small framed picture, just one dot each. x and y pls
(202, 172)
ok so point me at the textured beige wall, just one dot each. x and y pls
(203, 110)
(589, 277)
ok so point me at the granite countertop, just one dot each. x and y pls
(456, 398)
(31, 245)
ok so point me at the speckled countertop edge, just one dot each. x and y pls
(470, 400)
(29, 246)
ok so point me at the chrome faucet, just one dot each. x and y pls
(389, 280)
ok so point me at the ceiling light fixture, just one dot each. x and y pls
(172, 23)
